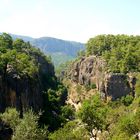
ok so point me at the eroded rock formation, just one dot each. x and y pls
(92, 70)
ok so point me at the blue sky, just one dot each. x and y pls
(76, 20)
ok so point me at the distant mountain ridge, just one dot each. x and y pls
(51, 45)
(60, 50)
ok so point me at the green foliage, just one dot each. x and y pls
(93, 113)
(123, 121)
(116, 119)
(54, 114)
(71, 131)
(22, 62)
(26, 128)
(6, 41)
(19, 44)
(11, 117)
(23, 59)
(126, 127)
(127, 100)
(90, 86)
(67, 112)
(81, 53)
(127, 124)
(121, 52)
(137, 87)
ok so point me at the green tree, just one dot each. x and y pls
(6, 41)
(93, 113)
(26, 128)
(71, 131)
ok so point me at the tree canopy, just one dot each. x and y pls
(122, 52)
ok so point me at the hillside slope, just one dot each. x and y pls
(24, 74)
(60, 50)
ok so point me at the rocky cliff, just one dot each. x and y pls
(17, 91)
(25, 73)
(92, 70)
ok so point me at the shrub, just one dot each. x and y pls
(71, 131)
(127, 100)
(93, 113)
(11, 117)
(26, 128)
(67, 112)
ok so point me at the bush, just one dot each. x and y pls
(93, 86)
(93, 113)
(127, 100)
(26, 128)
(90, 86)
(71, 131)
(67, 112)
(11, 117)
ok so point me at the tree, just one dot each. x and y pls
(19, 44)
(71, 131)
(93, 113)
(26, 128)
(6, 41)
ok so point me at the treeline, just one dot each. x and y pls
(21, 56)
(122, 52)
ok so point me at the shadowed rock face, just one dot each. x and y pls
(5, 131)
(93, 70)
(116, 85)
(24, 92)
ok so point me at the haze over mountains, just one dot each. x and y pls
(60, 50)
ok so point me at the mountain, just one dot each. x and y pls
(59, 50)
(25, 38)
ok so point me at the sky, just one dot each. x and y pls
(76, 20)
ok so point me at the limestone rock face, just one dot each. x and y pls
(92, 70)
(88, 70)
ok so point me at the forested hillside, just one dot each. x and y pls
(95, 96)
(28, 84)
(103, 86)
(122, 52)
(59, 50)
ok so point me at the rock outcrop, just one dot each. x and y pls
(92, 70)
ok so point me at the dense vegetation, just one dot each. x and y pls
(111, 120)
(60, 50)
(19, 61)
(122, 52)
(115, 120)
(107, 120)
